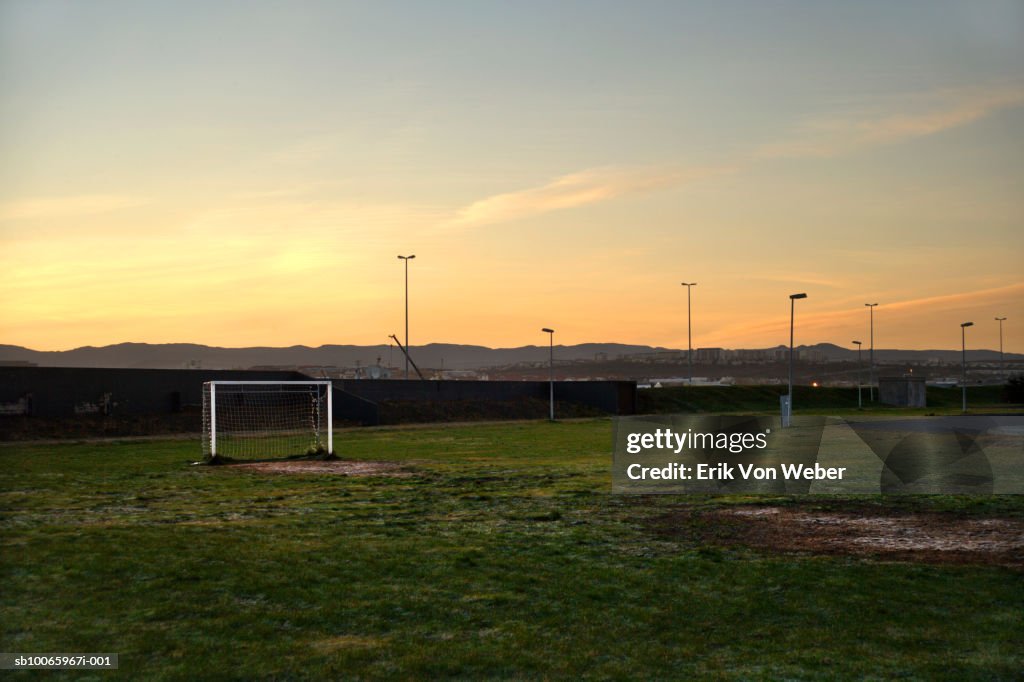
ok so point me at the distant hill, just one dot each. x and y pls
(435, 355)
(178, 355)
(891, 355)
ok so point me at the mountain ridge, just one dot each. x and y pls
(434, 355)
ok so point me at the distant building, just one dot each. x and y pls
(753, 356)
(708, 355)
(463, 375)
(905, 391)
(811, 355)
(376, 372)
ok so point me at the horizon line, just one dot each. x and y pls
(498, 348)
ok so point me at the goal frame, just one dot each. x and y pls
(213, 384)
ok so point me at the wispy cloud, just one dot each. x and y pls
(863, 125)
(66, 207)
(893, 121)
(901, 320)
(811, 278)
(928, 305)
(959, 300)
(575, 189)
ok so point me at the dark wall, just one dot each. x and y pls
(613, 397)
(380, 390)
(902, 392)
(352, 408)
(57, 391)
(66, 391)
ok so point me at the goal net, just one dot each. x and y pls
(266, 419)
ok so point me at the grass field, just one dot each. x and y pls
(502, 555)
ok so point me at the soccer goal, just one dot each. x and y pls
(267, 419)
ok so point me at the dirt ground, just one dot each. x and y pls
(871, 532)
(338, 467)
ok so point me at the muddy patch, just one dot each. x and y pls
(338, 467)
(883, 534)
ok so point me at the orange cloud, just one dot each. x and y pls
(575, 189)
(908, 324)
(956, 301)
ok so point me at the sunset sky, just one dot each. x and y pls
(245, 173)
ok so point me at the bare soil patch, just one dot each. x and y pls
(879, 533)
(338, 467)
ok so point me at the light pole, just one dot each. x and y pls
(689, 332)
(871, 355)
(1002, 365)
(407, 351)
(963, 361)
(789, 398)
(860, 367)
(551, 369)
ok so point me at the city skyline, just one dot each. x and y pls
(244, 177)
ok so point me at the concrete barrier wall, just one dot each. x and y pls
(902, 391)
(67, 391)
(613, 397)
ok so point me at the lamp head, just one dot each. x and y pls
(549, 331)
(796, 296)
(967, 324)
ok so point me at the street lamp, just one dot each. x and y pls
(689, 332)
(551, 368)
(789, 398)
(1002, 365)
(963, 361)
(407, 351)
(871, 358)
(860, 367)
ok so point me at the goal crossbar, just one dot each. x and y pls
(210, 409)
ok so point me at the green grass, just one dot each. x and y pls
(503, 557)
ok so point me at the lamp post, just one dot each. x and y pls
(551, 369)
(963, 361)
(860, 367)
(407, 351)
(789, 398)
(1002, 365)
(689, 332)
(871, 355)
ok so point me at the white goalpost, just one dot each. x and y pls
(267, 419)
